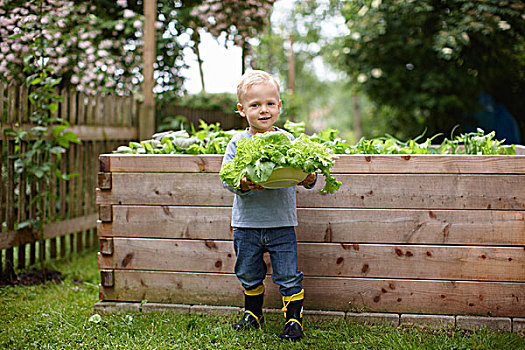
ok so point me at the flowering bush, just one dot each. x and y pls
(94, 47)
(239, 20)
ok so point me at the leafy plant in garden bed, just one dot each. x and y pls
(259, 155)
(210, 139)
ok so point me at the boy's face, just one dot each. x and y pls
(261, 107)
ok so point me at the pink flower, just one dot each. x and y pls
(128, 13)
(63, 61)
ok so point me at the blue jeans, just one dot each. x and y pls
(251, 243)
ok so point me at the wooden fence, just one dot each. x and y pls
(101, 123)
(192, 115)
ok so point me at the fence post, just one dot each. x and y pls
(147, 110)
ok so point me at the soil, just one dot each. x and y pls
(31, 278)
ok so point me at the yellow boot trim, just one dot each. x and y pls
(293, 319)
(257, 318)
(256, 291)
(287, 300)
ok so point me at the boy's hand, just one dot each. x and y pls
(310, 179)
(247, 184)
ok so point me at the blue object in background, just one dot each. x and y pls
(495, 117)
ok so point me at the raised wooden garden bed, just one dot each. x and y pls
(430, 234)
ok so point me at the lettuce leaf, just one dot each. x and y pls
(259, 155)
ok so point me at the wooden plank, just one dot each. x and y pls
(72, 115)
(23, 98)
(420, 191)
(64, 106)
(105, 213)
(505, 192)
(2, 191)
(32, 214)
(52, 230)
(104, 181)
(426, 163)
(22, 212)
(10, 217)
(62, 197)
(85, 132)
(345, 164)
(166, 188)
(119, 115)
(3, 98)
(476, 227)
(174, 255)
(71, 192)
(62, 228)
(89, 110)
(412, 226)
(165, 163)
(91, 173)
(79, 204)
(169, 222)
(329, 259)
(53, 210)
(81, 109)
(326, 293)
(12, 115)
(106, 110)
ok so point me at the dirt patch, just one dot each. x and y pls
(32, 277)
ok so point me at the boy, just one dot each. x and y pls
(263, 220)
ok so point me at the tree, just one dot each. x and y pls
(426, 62)
(239, 21)
(318, 100)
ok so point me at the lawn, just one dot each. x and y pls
(61, 316)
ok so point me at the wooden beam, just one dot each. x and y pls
(388, 191)
(405, 226)
(14, 238)
(86, 132)
(325, 293)
(458, 263)
(147, 112)
(344, 164)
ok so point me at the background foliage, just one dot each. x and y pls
(413, 65)
(425, 63)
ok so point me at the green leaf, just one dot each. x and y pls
(53, 108)
(15, 36)
(71, 137)
(35, 81)
(57, 150)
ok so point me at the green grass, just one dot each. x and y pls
(58, 317)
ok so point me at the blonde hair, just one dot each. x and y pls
(255, 77)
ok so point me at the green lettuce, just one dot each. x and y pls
(259, 155)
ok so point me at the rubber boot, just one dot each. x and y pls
(293, 328)
(252, 317)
